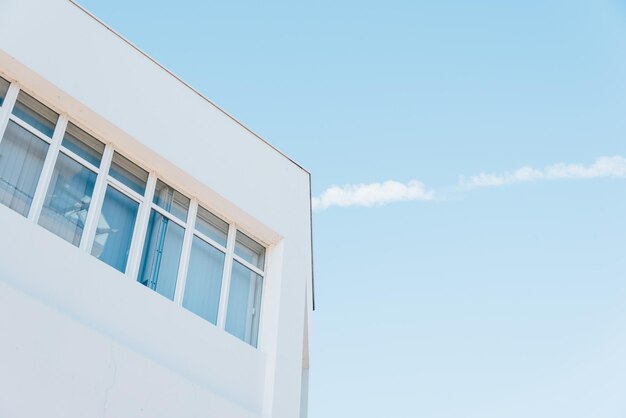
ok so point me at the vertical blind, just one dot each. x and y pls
(218, 271)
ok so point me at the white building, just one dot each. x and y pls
(155, 254)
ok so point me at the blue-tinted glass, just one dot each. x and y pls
(83, 144)
(171, 200)
(212, 226)
(204, 280)
(4, 86)
(244, 303)
(128, 173)
(36, 114)
(22, 155)
(115, 229)
(161, 255)
(250, 250)
(65, 208)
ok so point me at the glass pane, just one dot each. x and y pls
(212, 226)
(244, 303)
(161, 255)
(250, 250)
(67, 202)
(171, 200)
(22, 155)
(128, 173)
(4, 86)
(204, 280)
(36, 114)
(83, 144)
(115, 229)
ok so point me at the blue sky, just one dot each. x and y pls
(463, 300)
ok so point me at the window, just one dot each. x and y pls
(115, 229)
(90, 195)
(23, 150)
(128, 173)
(68, 199)
(164, 240)
(171, 200)
(83, 145)
(36, 114)
(250, 250)
(212, 227)
(206, 266)
(4, 87)
(116, 225)
(246, 283)
(22, 155)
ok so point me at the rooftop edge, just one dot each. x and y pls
(184, 83)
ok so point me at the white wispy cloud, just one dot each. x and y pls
(372, 194)
(602, 167)
(378, 194)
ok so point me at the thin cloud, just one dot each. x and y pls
(372, 194)
(378, 194)
(608, 167)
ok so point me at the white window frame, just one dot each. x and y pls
(101, 187)
(147, 210)
(44, 183)
(146, 205)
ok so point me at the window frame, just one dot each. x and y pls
(54, 143)
(6, 93)
(151, 205)
(232, 241)
(59, 134)
(103, 182)
(145, 206)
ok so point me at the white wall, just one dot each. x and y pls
(80, 67)
(75, 331)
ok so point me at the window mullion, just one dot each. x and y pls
(7, 106)
(47, 169)
(125, 189)
(185, 253)
(248, 265)
(228, 266)
(210, 241)
(80, 160)
(99, 190)
(139, 235)
(31, 129)
(170, 216)
(251, 302)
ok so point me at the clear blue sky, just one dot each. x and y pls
(480, 302)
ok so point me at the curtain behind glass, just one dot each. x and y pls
(35, 113)
(68, 198)
(204, 280)
(212, 226)
(161, 255)
(250, 250)
(128, 173)
(115, 229)
(171, 200)
(4, 87)
(83, 144)
(22, 155)
(244, 300)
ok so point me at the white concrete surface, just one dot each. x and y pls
(68, 321)
(58, 302)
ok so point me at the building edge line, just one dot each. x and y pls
(183, 82)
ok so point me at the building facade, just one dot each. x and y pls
(155, 254)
